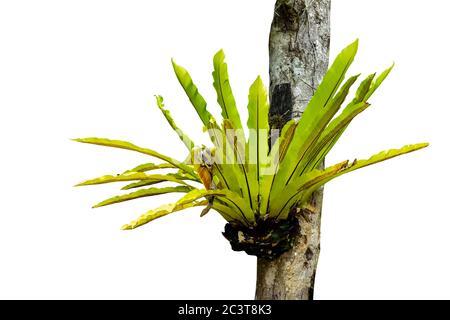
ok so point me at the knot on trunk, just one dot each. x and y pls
(287, 15)
(268, 239)
(280, 106)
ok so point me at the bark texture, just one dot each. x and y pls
(299, 54)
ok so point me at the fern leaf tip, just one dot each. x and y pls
(354, 45)
(219, 57)
(174, 64)
(82, 184)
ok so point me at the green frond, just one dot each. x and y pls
(281, 203)
(143, 193)
(183, 136)
(155, 179)
(225, 96)
(257, 146)
(320, 110)
(129, 146)
(225, 166)
(300, 189)
(194, 96)
(276, 155)
(150, 167)
(232, 199)
(375, 85)
(161, 212)
(363, 89)
(331, 134)
(227, 212)
(134, 176)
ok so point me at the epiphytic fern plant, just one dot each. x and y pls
(253, 186)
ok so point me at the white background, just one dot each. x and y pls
(90, 68)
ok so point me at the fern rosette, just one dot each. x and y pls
(254, 186)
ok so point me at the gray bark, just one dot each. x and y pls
(299, 53)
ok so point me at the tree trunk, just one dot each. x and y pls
(299, 52)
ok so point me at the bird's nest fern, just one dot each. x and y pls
(252, 185)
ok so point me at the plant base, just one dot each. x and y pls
(268, 239)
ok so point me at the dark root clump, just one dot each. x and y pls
(268, 239)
